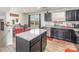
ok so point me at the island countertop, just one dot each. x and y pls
(29, 35)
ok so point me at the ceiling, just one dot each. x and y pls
(4, 9)
(20, 9)
(37, 9)
(31, 9)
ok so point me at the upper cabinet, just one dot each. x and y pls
(72, 15)
(48, 17)
(77, 15)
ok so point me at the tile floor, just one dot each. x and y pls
(54, 46)
(10, 48)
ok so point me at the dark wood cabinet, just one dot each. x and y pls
(77, 15)
(77, 40)
(48, 17)
(22, 45)
(68, 15)
(36, 47)
(57, 33)
(72, 15)
(36, 44)
(26, 46)
(63, 34)
(68, 35)
(44, 41)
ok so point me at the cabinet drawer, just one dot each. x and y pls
(35, 40)
(36, 47)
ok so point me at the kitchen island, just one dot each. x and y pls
(34, 40)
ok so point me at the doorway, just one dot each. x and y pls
(1, 24)
(35, 21)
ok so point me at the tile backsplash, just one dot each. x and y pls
(71, 24)
(67, 24)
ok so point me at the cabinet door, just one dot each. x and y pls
(68, 35)
(44, 41)
(54, 33)
(48, 17)
(77, 15)
(22, 45)
(36, 47)
(77, 40)
(35, 40)
(68, 15)
(61, 34)
(73, 15)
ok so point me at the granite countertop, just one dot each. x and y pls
(29, 35)
(75, 29)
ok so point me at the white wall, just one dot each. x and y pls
(42, 17)
(57, 14)
(23, 19)
(42, 20)
(45, 23)
(9, 30)
(2, 16)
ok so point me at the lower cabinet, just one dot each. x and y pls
(22, 45)
(60, 34)
(68, 35)
(44, 41)
(57, 33)
(63, 34)
(54, 34)
(41, 44)
(77, 40)
(36, 47)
